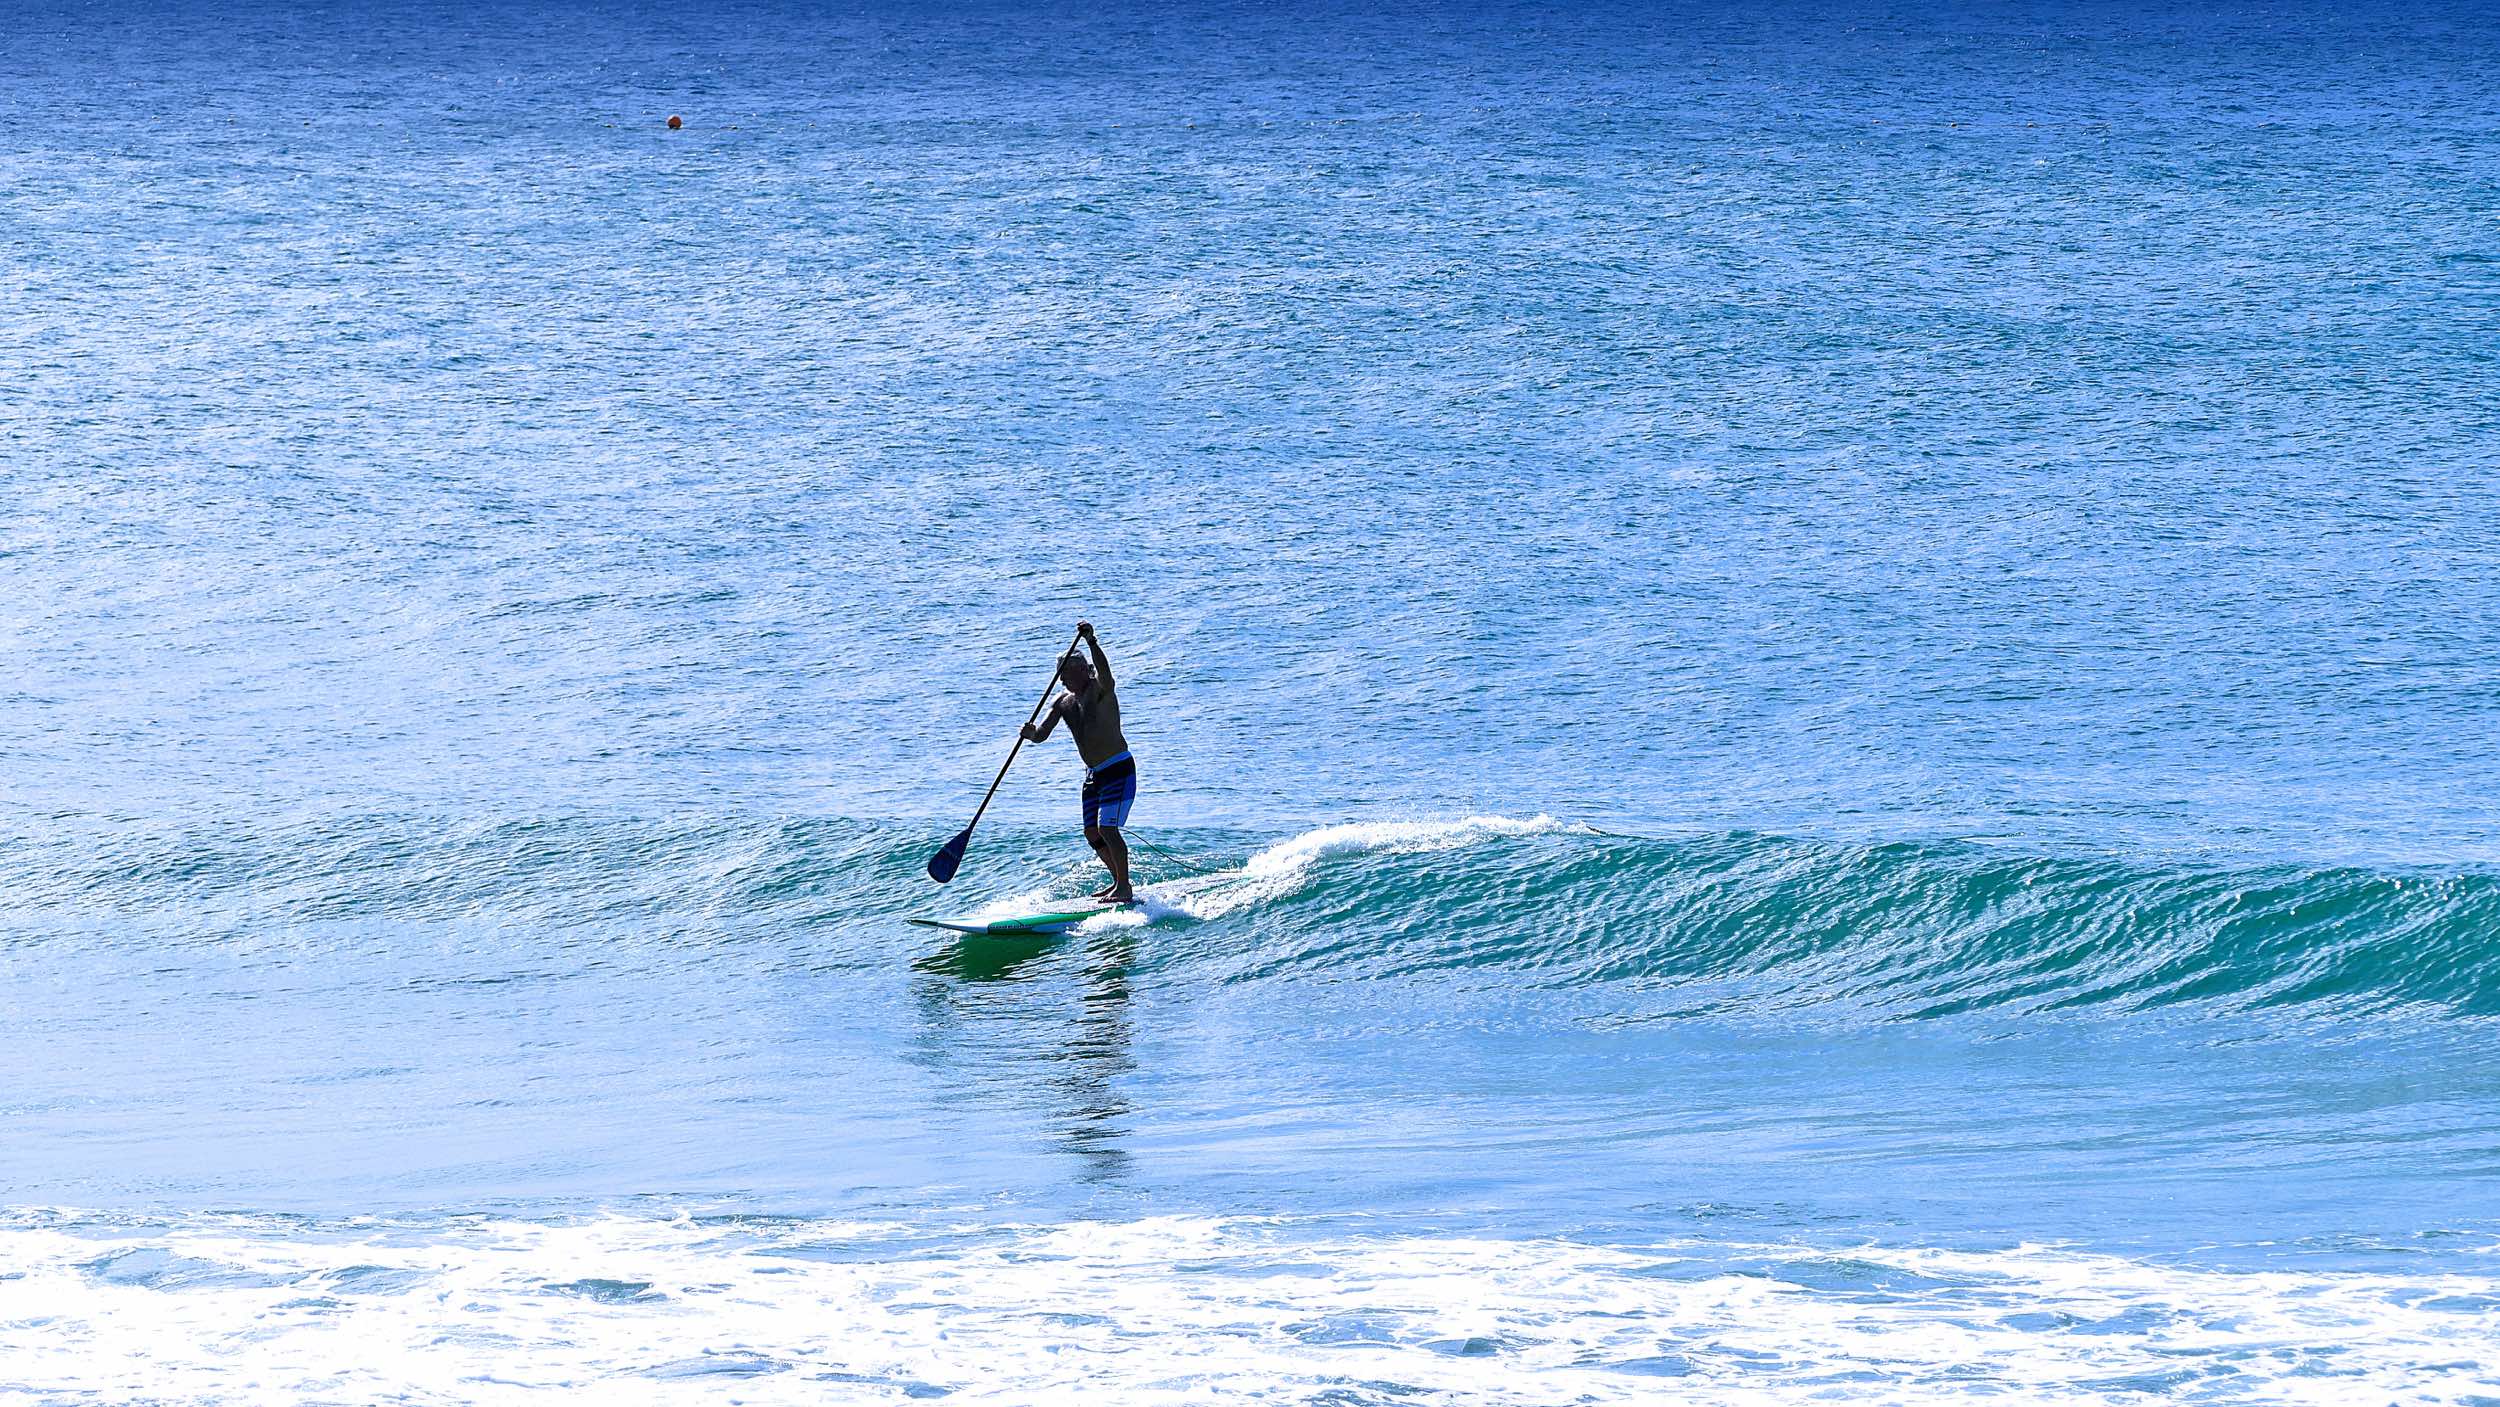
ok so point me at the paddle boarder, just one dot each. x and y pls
(1092, 707)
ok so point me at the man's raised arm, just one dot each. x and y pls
(1102, 665)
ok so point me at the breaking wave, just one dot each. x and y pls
(1741, 920)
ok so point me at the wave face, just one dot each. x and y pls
(1741, 922)
(1899, 930)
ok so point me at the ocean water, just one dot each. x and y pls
(1816, 689)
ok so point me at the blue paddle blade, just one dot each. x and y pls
(942, 864)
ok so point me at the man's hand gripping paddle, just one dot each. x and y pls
(943, 864)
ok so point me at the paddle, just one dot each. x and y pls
(943, 864)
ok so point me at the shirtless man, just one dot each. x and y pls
(1092, 709)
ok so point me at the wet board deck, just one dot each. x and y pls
(1058, 921)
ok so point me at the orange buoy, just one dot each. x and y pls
(675, 122)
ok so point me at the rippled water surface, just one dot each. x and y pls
(1816, 690)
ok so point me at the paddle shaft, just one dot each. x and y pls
(1019, 747)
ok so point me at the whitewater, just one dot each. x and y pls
(1173, 1310)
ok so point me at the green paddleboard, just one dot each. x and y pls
(1027, 925)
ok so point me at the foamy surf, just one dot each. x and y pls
(1280, 870)
(1287, 867)
(1174, 1310)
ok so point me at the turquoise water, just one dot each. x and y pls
(1815, 690)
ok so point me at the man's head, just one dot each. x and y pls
(1075, 672)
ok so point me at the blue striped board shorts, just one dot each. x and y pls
(1109, 791)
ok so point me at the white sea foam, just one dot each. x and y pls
(1285, 867)
(1175, 1310)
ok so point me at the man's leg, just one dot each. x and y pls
(1107, 799)
(1114, 850)
(1094, 836)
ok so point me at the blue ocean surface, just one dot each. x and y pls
(1816, 688)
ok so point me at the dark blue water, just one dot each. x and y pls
(1815, 688)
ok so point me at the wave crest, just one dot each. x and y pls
(1903, 930)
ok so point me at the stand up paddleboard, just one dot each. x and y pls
(1024, 926)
